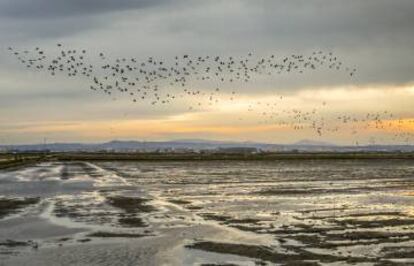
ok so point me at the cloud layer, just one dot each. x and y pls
(377, 36)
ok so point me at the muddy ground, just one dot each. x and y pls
(333, 212)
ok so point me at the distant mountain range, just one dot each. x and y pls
(199, 144)
(308, 142)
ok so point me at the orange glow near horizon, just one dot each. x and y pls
(230, 120)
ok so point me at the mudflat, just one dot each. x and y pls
(238, 212)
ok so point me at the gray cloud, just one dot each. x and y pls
(376, 36)
(39, 19)
(62, 8)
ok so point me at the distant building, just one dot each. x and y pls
(182, 150)
(243, 150)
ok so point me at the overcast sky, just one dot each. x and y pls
(375, 36)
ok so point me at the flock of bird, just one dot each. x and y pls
(202, 81)
(322, 121)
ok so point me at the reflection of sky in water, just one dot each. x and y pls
(247, 202)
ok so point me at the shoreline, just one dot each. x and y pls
(230, 157)
(153, 156)
(23, 161)
(26, 158)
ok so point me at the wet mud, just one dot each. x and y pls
(208, 213)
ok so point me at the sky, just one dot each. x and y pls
(374, 36)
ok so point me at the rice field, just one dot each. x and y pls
(284, 212)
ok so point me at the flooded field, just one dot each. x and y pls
(304, 212)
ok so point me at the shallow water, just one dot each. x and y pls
(192, 213)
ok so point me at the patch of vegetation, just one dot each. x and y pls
(12, 243)
(12, 160)
(328, 238)
(402, 252)
(310, 191)
(84, 240)
(377, 223)
(374, 237)
(132, 222)
(243, 221)
(215, 264)
(233, 221)
(130, 204)
(215, 217)
(264, 253)
(180, 201)
(191, 207)
(120, 235)
(14, 205)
